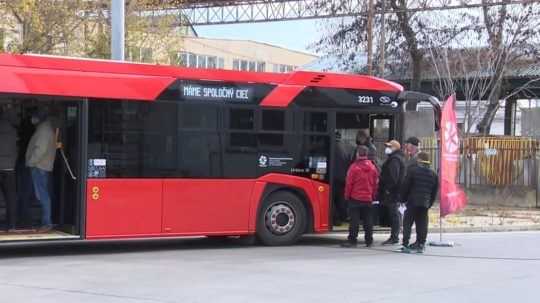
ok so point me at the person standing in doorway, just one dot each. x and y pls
(8, 159)
(392, 175)
(361, 191)
(419, 190)
(364, 139)
(40, 157)
(344, 155)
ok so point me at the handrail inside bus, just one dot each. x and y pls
(412, 96)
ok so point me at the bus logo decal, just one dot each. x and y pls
(263, 161)
(385, 100)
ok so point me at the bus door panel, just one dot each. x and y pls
(382, 130)
(123, 207)
(193, 206)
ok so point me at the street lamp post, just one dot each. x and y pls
(118, 29)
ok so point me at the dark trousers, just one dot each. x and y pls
(340, 205)
(395, 219)
(419, 216)
(8, 183)
(364, 211)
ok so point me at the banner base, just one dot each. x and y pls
(441, 244)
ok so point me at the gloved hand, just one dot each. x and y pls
(375, 202)
(402, 208)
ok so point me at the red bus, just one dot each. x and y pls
(159, 151)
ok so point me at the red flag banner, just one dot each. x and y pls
(453, 198)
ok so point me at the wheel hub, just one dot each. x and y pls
(280, 218)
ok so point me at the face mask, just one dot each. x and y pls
(388, 150)
(35, 120)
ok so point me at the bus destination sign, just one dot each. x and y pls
(216, 93)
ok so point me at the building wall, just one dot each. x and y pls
(238, 55)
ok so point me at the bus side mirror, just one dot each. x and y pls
(417, 97)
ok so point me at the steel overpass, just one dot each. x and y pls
(207, 12)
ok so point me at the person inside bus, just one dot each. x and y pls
(344, 154)
(360, 192)
(364, 139)
(8, 159)
(392, 174)
(411, 150)
(419, 190)
(40, 157)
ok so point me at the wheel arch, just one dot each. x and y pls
(313, 194)
(272, 188)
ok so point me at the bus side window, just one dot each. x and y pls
(273, 120)
(243, 119)
(241, 126)
(315, 122)
(272, 128)
(199, 117)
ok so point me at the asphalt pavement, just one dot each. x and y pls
(482, 267)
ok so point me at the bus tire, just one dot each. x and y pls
(281, 220)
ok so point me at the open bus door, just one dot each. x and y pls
(65, 183)
(382, 127)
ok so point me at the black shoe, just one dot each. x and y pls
(391, 241)
(419, 249)
(348, 244)
(405, 249)
(368, 245)
(414, 245)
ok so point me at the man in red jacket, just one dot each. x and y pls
(361, 190)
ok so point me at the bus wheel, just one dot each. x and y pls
(282, 219)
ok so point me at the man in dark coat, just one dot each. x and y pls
(392, 175)
(344, 155)
(419, 190)
(8, 159)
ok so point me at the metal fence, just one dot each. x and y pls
(499, 162)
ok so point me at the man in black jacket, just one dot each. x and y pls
(392, 175)
(419, 190)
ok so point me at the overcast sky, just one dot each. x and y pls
(296, 35)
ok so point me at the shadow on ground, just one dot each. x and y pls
(14, 250)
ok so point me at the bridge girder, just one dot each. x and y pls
(208, 12)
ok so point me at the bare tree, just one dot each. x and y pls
(473, 69)
(512, 34)
(405, 34)
(461, 69)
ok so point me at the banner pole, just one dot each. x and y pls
(440, 228)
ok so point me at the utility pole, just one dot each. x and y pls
(118, 25)
(382, 42)
(370, 37)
